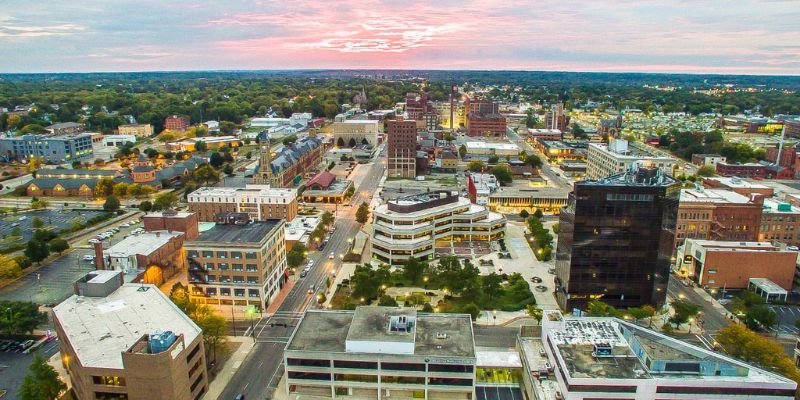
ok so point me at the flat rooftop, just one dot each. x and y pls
(732, 245)
(329, 331)
(143, 243)
(735, 182)
(247, 191)
(767, 285)
(100, 329)
(253, 232)
(779, 207)
(491, 145)
(712, 196)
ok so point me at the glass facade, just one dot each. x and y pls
(615, 241)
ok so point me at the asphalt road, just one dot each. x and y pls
(14, 367)
(259, 373)
(712, 319)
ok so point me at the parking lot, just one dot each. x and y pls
(57, 219)
(787, 315)
(52, 283)
(14, 367)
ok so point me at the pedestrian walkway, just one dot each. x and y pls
(345, 272)
(273, 307)
(216, 386)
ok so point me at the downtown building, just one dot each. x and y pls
(128, 341)
(381, 353)
(718, 214)
(401, 137)
(356, 132)
(238, 262)
(619, 156)
(261, 202)
(616, 239)
(414, 226)
(573, 358)
(177, 123)
(58, 149)
(290, 163)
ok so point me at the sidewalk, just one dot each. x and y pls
(276, 304)
(216, 386)
(344, 273)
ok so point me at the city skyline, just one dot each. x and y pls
(665, 36)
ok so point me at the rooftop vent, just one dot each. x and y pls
(441, 335)
(401, 323)
(602, 350)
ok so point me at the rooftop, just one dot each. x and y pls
(767, 285)
(723, 245)
(100, 329)
(736, 182)
(253, 232)
(443, 335)
(144, 243)
(635, 177)
(247, 191)
(712, 196)
(775, 206)
(491, 145)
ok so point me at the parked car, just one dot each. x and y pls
(536, 279)
(331, 256)
(27, 344)
(310, 263)
(88, 257)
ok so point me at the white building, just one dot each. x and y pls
(132, 254)
(139, 130)
(117, 140)
(413, 226)
(381, 353)
(594, 358)
(485, 185)
(302, 119)
(605, 160)
(260, 201)
(268, 122)
(212, 126)
(359, 130)
(491, 148)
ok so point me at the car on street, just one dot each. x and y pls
(331, 256)
(536, 279)
(311, 289)
(541, 288)
(93, 241)
(88, 257)
(310, 264)
(239, 397)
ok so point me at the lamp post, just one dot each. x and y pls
(251, 313)
(494, 315)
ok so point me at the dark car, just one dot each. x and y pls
(239, 397)
(536, 279)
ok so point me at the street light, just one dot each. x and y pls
(494, 315)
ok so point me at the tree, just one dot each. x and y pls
(387, 301)
(216, 160)
(476, 166)
(746, 345)
(706, 170)
(534, 312)
(493, 159)
(760, 317)
(200, 146)
(42, 383)
(491, 286)
(104, 187)
(214, 327)
(20, 317)
(38, 204)
(206, 174)
(36, 250)
(58, 245)
(597, 308)
(9, 268)
(146, 206)
(502, 172)
(296, 256)
(121, 190)
(165, 201)
(228, 170)
(362, 214)
(332, 165)
(473, 310)
(37, 223)
(538, 213)
(462, 151)
(524, 214)
(413, 270)
(326, 218)
(683, 311)
(111, 204)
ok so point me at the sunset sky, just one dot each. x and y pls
(693, 36)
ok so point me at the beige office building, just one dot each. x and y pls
(360, 131)
(138, 130)
(261, 202)
(238, 264)
(381, 353)
(128, 341)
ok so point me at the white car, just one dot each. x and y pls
(331, 256)
(88, 257)
(93, 241)
(310, 263)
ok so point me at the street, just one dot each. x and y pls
(712, 319)
(259, 373)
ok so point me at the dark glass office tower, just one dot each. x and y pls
(615, 240)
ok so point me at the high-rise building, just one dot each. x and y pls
(615, 240)
(556, 118)
(619, 155)
(401, 136)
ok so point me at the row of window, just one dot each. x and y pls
(233, 267)
(236, 292)
(373, 365)
(222, 254)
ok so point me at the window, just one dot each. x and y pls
(238, 292)
(222, 254)
(308, 363)
(109, 380)
(355, 364)
(251, 268)
(238, 267)
(208, 254)
(250, 255)
(236, 254)
(225, 292)
(252, 292)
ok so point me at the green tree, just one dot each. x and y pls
(37, 204)
(534, 312)
(462, 151)
(296, 256)
(104, 187)
(760, 317)
(683, 311)
(9, 268)
(491, 286)
(165, 201)
(120, 190)
(476, 166)
(58, 245)
(216, 160)
(362, 214)
(206, 174)
(493, 159)
(524, 214)
(748, 346)
(706, 170)
(42, 383)
(387, 301)
(533, 160)
(20, 317)
(502, 172)
(146, 206)
(326, 218)
(111, 203)
(473, 310)
(538, 213)
(37, 223)
(36, 250)
(228, 170)
(413, 270)
(597, 308)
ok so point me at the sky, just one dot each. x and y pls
(674, 36)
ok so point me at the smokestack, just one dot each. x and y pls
(99, 262)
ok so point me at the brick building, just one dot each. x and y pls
(177, 123)
(416, 105)
(486, 124)
(401, 136)
(738, 185)
(259, 201)
(716, 214)
(287, 167)
(780, 221)
(722, 264)
(170, 220)
(749, 170)
(128, 341)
